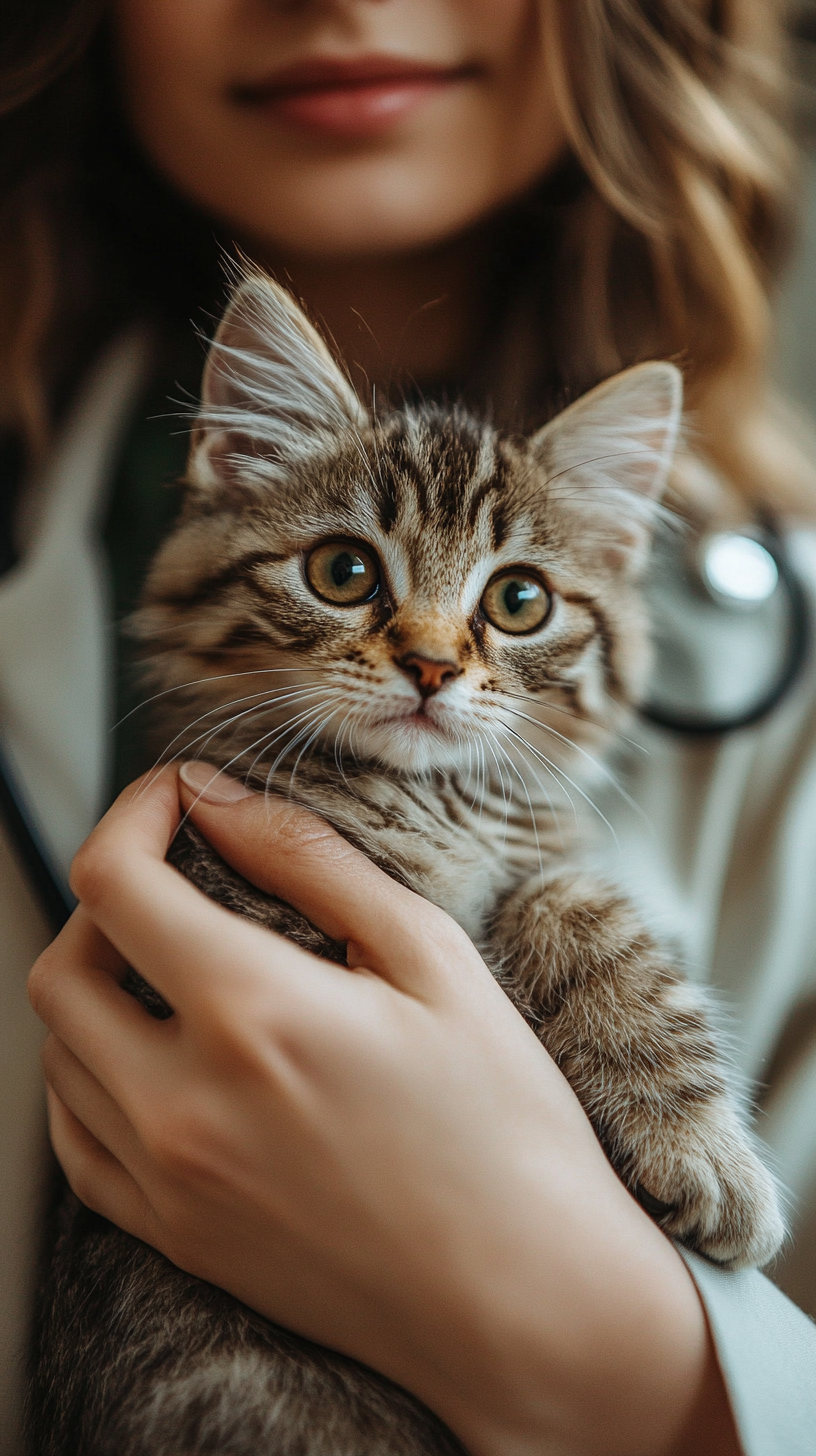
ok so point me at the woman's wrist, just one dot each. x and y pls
(609, 1329)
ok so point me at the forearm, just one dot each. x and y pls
(623, 1362)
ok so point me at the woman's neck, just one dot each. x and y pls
(401, 320)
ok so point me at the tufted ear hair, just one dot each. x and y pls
(271, 392)
(607, 459)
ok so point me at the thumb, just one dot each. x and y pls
(292, 853)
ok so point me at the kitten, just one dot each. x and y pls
(426, 632)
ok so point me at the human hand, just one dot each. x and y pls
(381, 1157)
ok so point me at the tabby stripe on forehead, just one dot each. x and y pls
(498, 516)
(455, 480)
(237, 571)
(406, 471)
(387, 503)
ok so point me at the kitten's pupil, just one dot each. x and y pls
(516, 593)
(345, 566)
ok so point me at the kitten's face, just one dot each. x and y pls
(418, 592)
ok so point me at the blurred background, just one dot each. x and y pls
(796, 339)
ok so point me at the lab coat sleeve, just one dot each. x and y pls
(766, 1348)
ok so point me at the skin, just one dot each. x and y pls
(426, 1189)
(384, 1160)
(391, 240)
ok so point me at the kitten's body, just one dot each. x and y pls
(454, 752)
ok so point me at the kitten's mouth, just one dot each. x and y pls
(418, 718)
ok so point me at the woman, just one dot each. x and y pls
(551, 191)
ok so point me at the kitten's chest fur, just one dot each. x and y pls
(462, 847)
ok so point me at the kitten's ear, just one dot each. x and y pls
(608, 456)
(271, 391)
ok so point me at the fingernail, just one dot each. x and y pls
(211, 784)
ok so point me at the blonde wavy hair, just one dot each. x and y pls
(675, 112)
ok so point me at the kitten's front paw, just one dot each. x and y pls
(706, 1187)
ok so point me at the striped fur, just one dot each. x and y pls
(474, 795)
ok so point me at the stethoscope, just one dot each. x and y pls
(731, 626)
(737, 588)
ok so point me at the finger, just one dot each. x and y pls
(80, 942)
(160, 924)
(96, 1177)
(128, 1053)
(148, 810)
(82, 961)
(289, 852)
(136, 1059)
(85, 1097)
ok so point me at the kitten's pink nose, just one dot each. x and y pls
(428, 673)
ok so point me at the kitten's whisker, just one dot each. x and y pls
(212, 732)
(547, 763)
(596, 762)
(272, 735)
(337, 750)
(292, 698)
(529, 765)
(469, 741)
(471, 776)
(482, 781)
(278, 731)
(501, 785)
(358, 441)
(265, 738)
(269, 701)
(224, 769)
(533, 822)
(209, 734)
(322, 724)
(338, 742)
(375, 440)
(304, 719)
(309, 741)
(556, 770)
(499, 754)
(197, 683)
(570, 713)
(352, 749)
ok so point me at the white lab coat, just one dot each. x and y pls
(724, 855)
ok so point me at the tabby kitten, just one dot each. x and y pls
(426, 632)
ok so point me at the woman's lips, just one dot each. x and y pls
(350, 99)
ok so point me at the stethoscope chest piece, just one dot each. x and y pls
(730, 627)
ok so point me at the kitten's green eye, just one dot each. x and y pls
(516, 601)
(343, 572)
